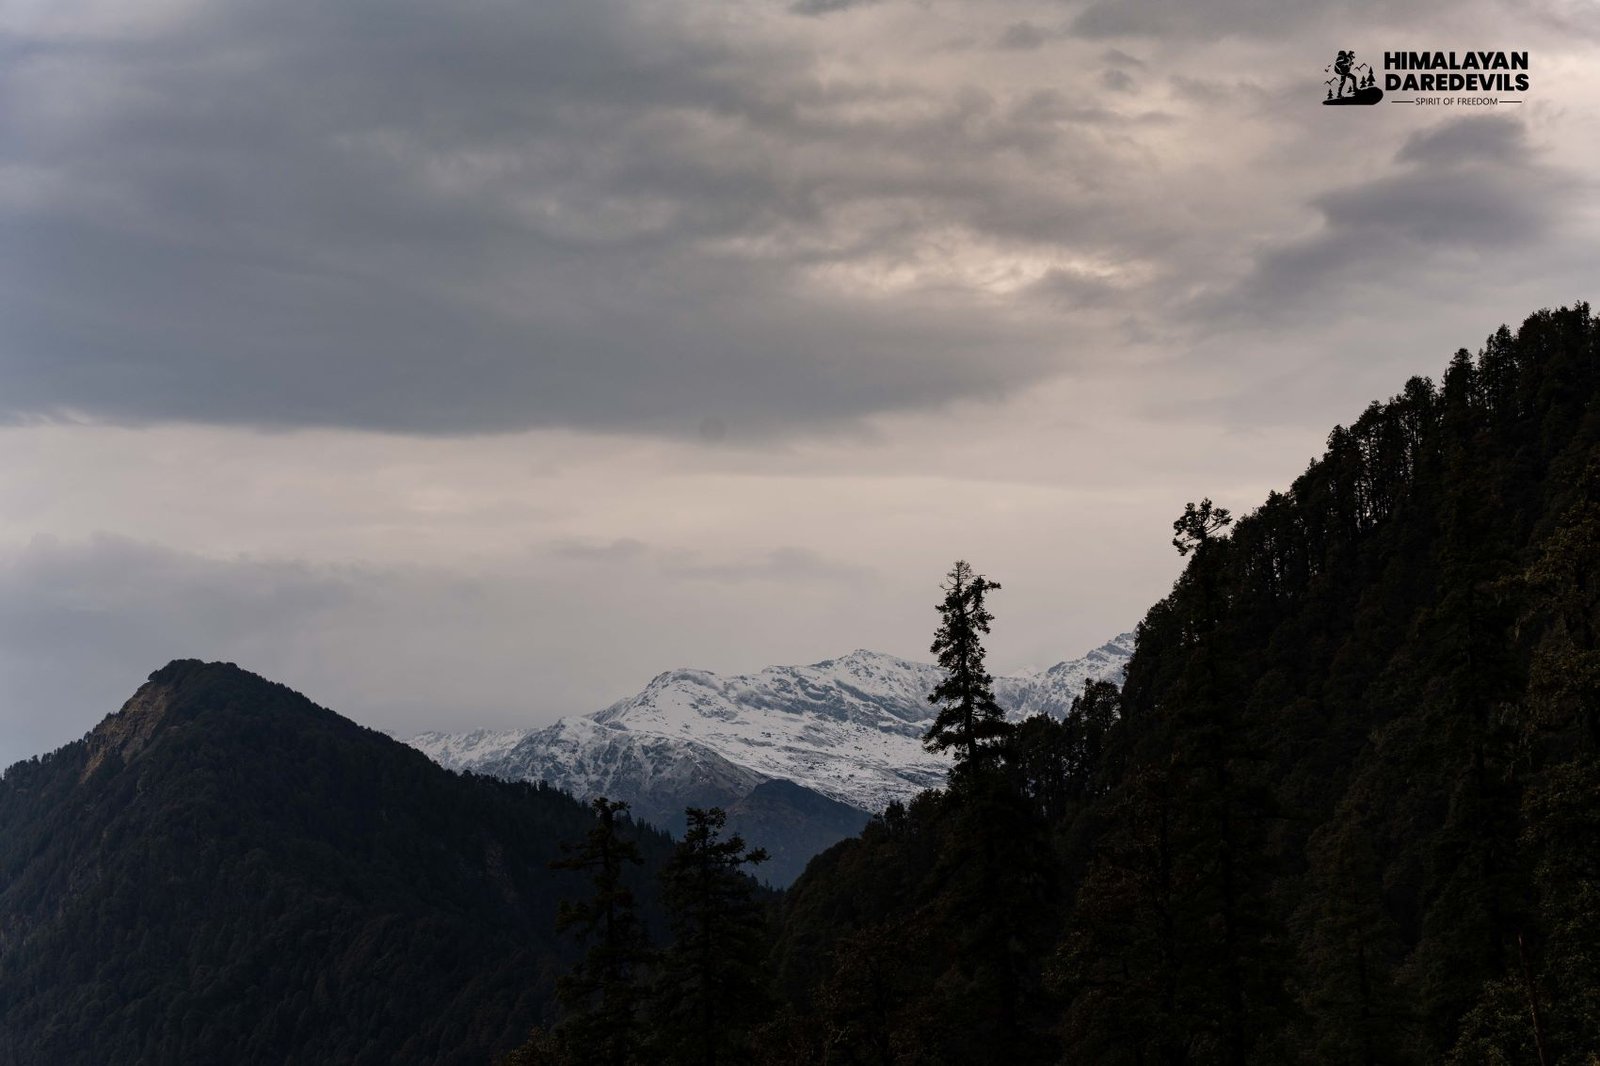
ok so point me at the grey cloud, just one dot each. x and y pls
(403, 648)
(1117, 80)
(1208, 20)
(83, 622)
(784, 563)
(1063, 288)
(550, 214)
(787, 563)
(816, 8)
(1479, 139)
(1049, 110)
(1213, 92)
(1469, 185)
(1439, 210)
(618, 550)
(1199, 20)
(1022, 36)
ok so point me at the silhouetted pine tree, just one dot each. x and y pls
(1043, 755)
(969, 719)
(1056, 762)
(1093, 713)
(996, 872)
(1209, 735)
(710, 987)
(601, 998)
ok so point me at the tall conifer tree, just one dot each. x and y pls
(711, 988)
(601, 997)
(969, 719)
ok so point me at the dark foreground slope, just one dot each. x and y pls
(1350, 812)
(225, 872)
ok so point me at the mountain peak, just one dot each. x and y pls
(267, 843)
(128, 731)
(848, 728)
(230, 702)
(858, 658)
(867, 655)
(1118, 649)
(179, 669)
(131, 729)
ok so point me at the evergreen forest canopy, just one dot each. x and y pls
(1345, 808)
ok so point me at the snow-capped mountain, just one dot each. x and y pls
(849, 729)
(464, 751)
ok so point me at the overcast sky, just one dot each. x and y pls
(468, 364)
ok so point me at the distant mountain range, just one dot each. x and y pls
(800, 756)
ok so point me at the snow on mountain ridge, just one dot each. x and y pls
(463, 751)
(1051, 690)
(849, 728)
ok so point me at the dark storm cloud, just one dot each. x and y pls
(1472, 186)
(493, 217)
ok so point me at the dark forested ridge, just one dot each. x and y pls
(1346, 808)
(225, 872)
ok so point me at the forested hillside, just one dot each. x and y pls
(1346, 808)
(225, 872)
